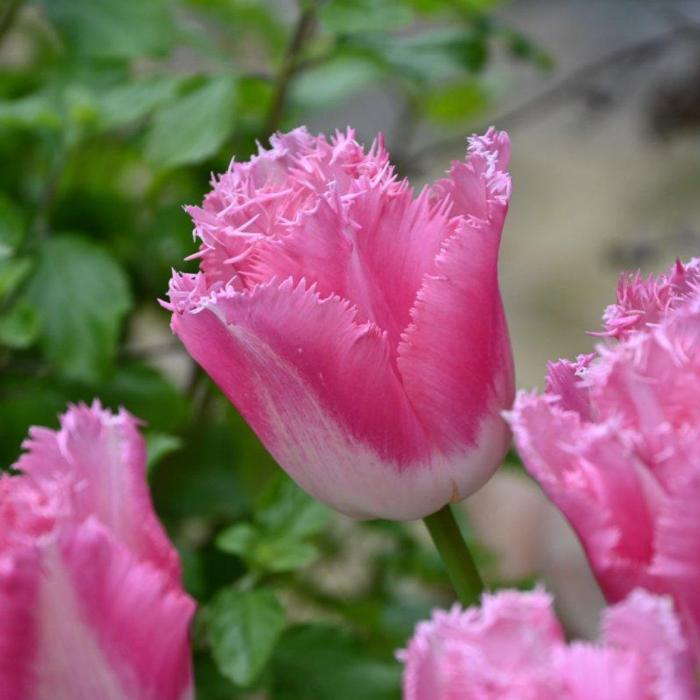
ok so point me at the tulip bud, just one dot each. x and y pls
(356, 327)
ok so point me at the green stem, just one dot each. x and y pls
(455, 555)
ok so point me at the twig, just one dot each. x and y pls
(7, 17)
(290, 67)
(569, 85)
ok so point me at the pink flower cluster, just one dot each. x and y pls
(91, 603)
(615, 443)
(357, 328)
(513, 648)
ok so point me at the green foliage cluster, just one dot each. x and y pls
(112, 115)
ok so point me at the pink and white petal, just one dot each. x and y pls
(101, 458)
(592, 478)
(455, 358)
(283, 356)
(81, 618)
(647, 626)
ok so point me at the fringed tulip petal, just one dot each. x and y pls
(513, 648)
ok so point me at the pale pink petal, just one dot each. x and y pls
(564, 380)
(642, 302)
(100, 460)
(590, 475)
(646, 625)
(500, 651)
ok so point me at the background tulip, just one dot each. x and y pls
(513, 648)
(358, 328)
(91, 604)
(615, 443)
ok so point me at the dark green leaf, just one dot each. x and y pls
(159, 446)
(193, 127)
(243, 628)
(322, 662)
(81, 295)
(12, 227)
(12, 273)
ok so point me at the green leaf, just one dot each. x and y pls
(323, 662)
(31, 112)
(112, 28)
(19, 326)
(242, 628)
(131, 101)
(12, 227)
(81, 295)
(12, 273)
(355, 16)
(159, 446)
(193, 127)
(266, 552)
(335, 80)
(284, 508)
(456, 103)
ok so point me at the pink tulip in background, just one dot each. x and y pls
(513, 648)
(615, 442)
(358, 328)
(91, 602)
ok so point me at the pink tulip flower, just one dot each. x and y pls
(615, 443)
(513, 648)
(357, 328)
(91, 603)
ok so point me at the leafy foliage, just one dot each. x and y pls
(113, 113)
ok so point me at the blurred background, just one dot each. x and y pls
(113, 114)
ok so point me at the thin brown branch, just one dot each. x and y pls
(8, 15)
(571, 85)
(291, 64)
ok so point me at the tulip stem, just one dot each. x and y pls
(455, 554)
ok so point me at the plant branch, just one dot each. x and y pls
(291, 65)
(7, 17)
(570, 85)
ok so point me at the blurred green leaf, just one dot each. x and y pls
(323, 662)
(456, 103)
(31, 112)
(147, 394)
(19, 326)
(335, 80)
(12, 227)
(192, 128)
(12, 273)
(81, 295)
(112, 28)
(243, 628)
(134, 100)
(351, 16)
(159, 446)
(285, 508)
(284, 517)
